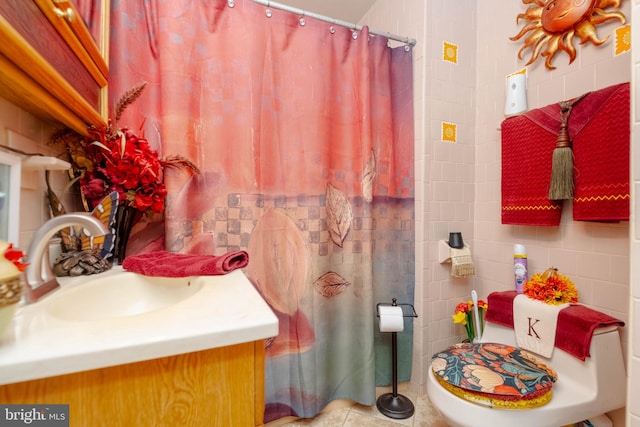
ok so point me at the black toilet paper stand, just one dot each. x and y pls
(395, 405)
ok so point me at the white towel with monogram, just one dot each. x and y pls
(534, 323)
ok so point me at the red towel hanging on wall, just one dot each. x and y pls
(527, 149)
(601, 150)
(599, 126)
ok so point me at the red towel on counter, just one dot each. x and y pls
(576, 323)
(599, 126)
(167, 264)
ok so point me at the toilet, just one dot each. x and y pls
(583, 390)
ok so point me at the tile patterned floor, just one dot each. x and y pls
(369, 416)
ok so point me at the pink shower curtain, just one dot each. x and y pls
(304, 135)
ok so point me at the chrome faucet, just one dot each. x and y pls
(40, 277)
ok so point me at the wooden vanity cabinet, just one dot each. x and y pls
(50, 64)
(220, 387)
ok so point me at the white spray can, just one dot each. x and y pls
(520, 266)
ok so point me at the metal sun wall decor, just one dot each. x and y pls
(553, 24)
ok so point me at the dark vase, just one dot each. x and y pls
(125, 218)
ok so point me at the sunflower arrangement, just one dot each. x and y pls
(464, 315)
(551, 287)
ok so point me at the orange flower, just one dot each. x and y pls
(463, 314)
(551, 287)
(463, 307)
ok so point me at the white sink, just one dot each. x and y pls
(119, 295)
(118, 317)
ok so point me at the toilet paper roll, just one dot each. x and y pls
(391, 318)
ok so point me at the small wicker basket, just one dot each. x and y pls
(10, 288)
(10, 291)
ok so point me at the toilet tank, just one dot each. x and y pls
(601, 375)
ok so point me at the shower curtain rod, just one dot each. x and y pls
(268, 3)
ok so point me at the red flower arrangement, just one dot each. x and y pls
(551, 287)
(464, 314)
(116, 159)
(15, 256)
(125, 163)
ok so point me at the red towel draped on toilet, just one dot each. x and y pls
(576, 323)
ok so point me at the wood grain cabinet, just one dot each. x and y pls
(51, 64)
(221, 387)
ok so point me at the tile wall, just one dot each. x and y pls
(458, 183)
(34, 208)
(407, 18)
(596, 256)
(633, 399)
(458, 186)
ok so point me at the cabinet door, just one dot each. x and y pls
(51, 64)
(83, 25)
(220, 387)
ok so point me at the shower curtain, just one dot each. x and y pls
(303, 131)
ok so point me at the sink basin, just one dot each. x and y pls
(119, 295)
(118, 317)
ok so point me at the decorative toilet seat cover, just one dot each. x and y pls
(495, 375)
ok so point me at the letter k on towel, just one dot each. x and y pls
(534, 323)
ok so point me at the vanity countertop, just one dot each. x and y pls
(226, 310)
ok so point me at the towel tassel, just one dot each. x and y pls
(561, 187)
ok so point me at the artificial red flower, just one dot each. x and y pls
(125, 163)
(15, 256)
(116, 159)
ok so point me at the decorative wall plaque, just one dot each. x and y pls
(552, 25)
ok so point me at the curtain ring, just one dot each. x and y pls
(231, 3)
(354, 34)
(268, 11)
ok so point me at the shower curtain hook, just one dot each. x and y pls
(268, 11)
(302, 20)
(231, 3)
(332, 28)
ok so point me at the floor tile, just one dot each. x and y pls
(356, 415)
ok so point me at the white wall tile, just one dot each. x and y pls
(33, 209)
(634, 388)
